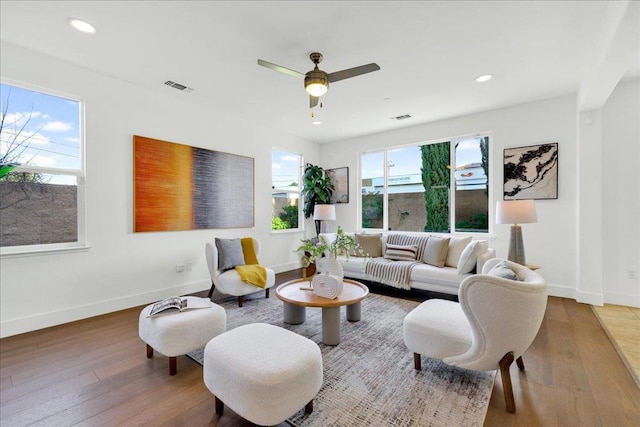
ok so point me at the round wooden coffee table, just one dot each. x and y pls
(296, 300)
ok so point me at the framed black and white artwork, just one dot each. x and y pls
(340, 179)
(531, 172)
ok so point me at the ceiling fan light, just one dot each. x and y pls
(316, 88)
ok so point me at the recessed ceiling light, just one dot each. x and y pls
(484, 78)
(82, 26)
(316, 122)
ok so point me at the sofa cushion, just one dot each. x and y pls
(401, 252)
(371, 244)
(436, 251)
(469, 256)
(502, 270)
(456, 246)
(229, 253)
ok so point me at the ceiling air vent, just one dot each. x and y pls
(402, 117)
(178, 86)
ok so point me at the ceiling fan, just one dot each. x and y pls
(316, 81)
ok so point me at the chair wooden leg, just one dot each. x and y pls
(520, 363)
(417, 364)
(240, 301)
(505, 363)
(173, 366)
(149, 351)
(308, 408)
(266, 293)
(213, 288)
(219, 405)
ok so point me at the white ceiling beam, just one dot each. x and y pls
(616, 48)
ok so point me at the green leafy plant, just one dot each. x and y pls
(317, 188)
(279, 224)
(345, 244)
(289, 215)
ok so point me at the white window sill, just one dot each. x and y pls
(287, 231)
(42, 251)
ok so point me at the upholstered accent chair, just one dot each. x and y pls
(494, 323)
(228, 281)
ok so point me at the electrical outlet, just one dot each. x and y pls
(179, 268)
(631, 274)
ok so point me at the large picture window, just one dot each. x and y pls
(433, 187)
(41, 178)
(285, 190)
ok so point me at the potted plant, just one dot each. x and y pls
(344, 244)
(317, 188)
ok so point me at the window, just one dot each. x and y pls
(41, 180)
(409, 188)
(285, 192)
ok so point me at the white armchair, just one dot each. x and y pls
(495, 322)
(229, 282)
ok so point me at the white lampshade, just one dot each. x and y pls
(324, 212)
(516, 212)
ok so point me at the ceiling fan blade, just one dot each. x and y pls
(313, 101)
(281, 69)
(352, 72)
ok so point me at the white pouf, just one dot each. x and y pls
(176, 333)
(263, 372)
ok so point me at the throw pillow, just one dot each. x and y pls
(456, 246)
(436, 251)
(401, 253)
(371, 244)
(469, 256)
(229, 253)
(502, 270)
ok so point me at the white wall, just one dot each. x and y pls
(621, 194)
(551, 242)
(124, 269)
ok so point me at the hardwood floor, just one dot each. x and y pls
(95, 372)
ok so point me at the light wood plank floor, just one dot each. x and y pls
(622, 324)
(95, 372)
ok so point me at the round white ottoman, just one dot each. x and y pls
(176, 333)
(263, 372)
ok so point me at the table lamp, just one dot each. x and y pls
(516, 212)
(324, 213)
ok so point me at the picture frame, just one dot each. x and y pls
(340, 179)
(531, 172)
(179, 187)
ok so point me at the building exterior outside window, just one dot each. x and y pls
(41, 153)
(285, 192)
(415, 188)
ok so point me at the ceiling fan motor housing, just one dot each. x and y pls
(316, 81)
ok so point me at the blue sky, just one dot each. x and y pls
(51, 128)
(284, 168)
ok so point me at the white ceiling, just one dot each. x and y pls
(429, 54)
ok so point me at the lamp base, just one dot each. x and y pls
(516, 246)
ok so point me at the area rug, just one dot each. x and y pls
(369, 379)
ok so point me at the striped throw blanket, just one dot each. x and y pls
(396, 273)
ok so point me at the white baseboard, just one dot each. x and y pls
(281, 268)
(622, 299)
(71, 314)
(561, 291)
(590, 298)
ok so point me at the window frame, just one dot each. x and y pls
(452, 200)
(81, 243)
(301, 219)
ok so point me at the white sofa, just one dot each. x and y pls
(424, 276)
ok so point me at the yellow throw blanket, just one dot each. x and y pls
(252, 272)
